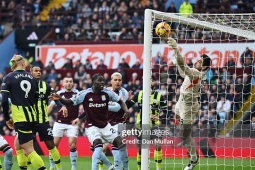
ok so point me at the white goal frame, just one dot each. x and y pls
(147, 56)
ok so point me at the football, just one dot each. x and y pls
(163, 29)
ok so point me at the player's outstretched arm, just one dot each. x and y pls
(179, 59)
(64, 101)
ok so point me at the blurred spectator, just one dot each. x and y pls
(80, 74)
(52, 76)
(246, 86)
(50, 66)
(225, 74)
(137, 64)
(186, 8)
(38, 63)
(78, 64)
(164, 75)
(230, 63)
(101, 65)
(107, 79)
(124, 64)
(246, 54)
(209, 76)
(252, 127)
(88, 64)
(171, 8)
(68, 65)
(223, 109)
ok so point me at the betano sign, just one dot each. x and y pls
(112, 54)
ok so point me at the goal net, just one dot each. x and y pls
(224, 127)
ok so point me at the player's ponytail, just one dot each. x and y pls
(16, 60)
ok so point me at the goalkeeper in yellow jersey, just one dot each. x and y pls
(158, 103)
(187, 106)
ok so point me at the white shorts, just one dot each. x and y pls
(59, 130)
(187, 110)
(116, 129)
(2, 141)
(106, 134)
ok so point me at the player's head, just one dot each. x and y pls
(116, 80)
(203, 63)
(153, 82)
(36, 72)
(98, 81)
(18, 62)
(68, 83)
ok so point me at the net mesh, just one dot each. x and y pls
(223, 128)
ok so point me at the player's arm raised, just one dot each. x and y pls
(179, 59)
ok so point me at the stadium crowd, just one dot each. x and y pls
(111, 20)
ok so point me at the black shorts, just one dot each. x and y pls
(24, 131)
(44, 130)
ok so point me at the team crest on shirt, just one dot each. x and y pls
(103, 97)
(41, 90)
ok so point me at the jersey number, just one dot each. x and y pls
(112, 130)
(26, 87)
(49, 131)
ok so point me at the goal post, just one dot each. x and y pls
(146, 81)
(221, 37)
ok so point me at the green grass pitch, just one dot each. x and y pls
(84, 163)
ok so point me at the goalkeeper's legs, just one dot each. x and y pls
(190, 144)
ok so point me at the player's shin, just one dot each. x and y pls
(73, 158)
(56, 158)
(96, 156)
(8, 157)
(105, 160)
(117, 158)
(191, 146)
(124, 156)
(21, 159)
(36, 161)
(52, 164)
(158, 158)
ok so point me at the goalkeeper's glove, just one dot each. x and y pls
(171, 42)
(174, 62)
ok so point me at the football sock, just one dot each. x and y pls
(52, 164)
(191, 146)
(73, 158)
(117, 158)
(36, 161)
(158, 158)
(56, 157)
(124, 157)
(138, 159)
(96, 156)
(104, 160)
(21, 159)
(8, 157)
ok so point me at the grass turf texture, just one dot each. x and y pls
(84, 163)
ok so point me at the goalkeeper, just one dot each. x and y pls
(158, 103)
(187, 106)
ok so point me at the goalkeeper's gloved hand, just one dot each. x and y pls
(174, 62)
(171, 42)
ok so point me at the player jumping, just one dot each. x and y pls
(187, 106)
